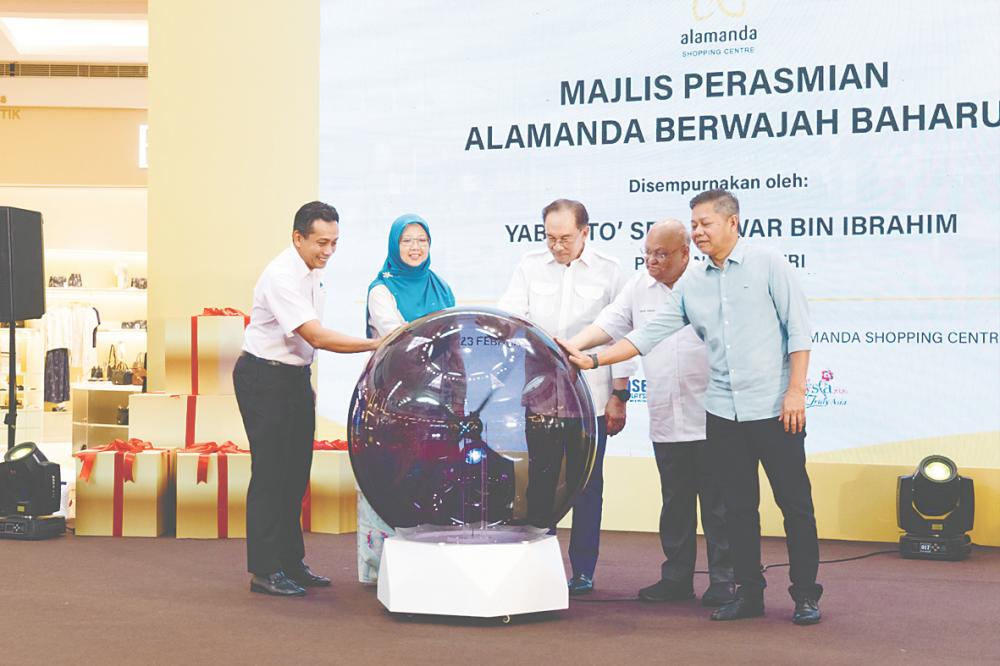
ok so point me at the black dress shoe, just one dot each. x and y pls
(719, 594)
(580, 584)
(304, 576)
(739, 608)
(277, 584)
(666, 590)
(806, 612)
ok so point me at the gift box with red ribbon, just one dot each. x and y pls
(176, 421)
(200, 352)
(122, 489)
(330, 503)
(212, 482)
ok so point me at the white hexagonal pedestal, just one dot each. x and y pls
(437, 575)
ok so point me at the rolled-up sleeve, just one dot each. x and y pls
(791, 305)
(616, 317)
(669, 319)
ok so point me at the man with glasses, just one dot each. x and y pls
(562, 289)
(745, 302)
(676, 378)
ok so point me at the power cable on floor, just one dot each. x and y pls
(763, 569)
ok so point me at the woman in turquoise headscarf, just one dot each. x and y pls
(405, 289)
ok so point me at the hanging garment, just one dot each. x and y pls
(57, 375)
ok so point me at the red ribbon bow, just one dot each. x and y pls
(204, 452)
(318, 445)
(329, 445)
(209, 312)
(125, 449)
(223, 312)
(124, 471)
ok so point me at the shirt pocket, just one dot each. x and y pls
(588, 300)
(543, 302)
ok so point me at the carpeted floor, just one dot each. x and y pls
(97, 600)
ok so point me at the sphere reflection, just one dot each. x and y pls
(471, 417)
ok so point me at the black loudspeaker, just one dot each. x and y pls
(22, 265)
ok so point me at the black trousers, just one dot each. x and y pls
(686, 477)
(549, 439)
(736, 450)
(278, 407)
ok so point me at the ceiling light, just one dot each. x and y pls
(55, 36)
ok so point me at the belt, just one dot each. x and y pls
(304, 369)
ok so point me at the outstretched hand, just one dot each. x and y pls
(576, 357)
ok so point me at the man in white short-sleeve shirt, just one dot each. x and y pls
(676, 378)
(562, 289)
(277, 403)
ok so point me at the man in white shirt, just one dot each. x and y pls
(277, 403)
(676, 376)
(562, 289)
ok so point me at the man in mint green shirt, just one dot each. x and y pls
(746, 305)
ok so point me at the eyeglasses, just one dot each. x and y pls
(565, 241)
(659, 255)
(409, 242)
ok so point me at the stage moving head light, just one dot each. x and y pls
(30, 485)
(935, 506)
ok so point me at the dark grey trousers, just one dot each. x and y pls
(686, 478)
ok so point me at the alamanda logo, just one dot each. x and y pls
(704, 9)
(744, 34)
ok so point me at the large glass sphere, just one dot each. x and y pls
(471, 417)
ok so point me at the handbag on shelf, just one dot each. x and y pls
(122, 417)
(75, 280)
(139, 369)
(57, 280)
(118, 372)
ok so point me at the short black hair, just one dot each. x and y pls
(578, 209)
(309, 213)
(724, 201)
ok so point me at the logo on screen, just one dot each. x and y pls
(705, 9)
(727, 38)
(824, 393)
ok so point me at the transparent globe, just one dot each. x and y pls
(469, 425)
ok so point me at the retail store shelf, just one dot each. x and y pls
(83, 293)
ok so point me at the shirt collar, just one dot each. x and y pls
(738, 252)
(586, 257)
(295, 263)
(648, 282)
(735, 255)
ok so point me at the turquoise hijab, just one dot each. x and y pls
(417, 289)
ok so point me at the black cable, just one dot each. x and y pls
(843, 559)
(763, 569)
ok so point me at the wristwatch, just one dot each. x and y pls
(622, 394)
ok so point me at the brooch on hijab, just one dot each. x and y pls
(386, 274)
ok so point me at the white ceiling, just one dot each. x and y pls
(90, 31)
